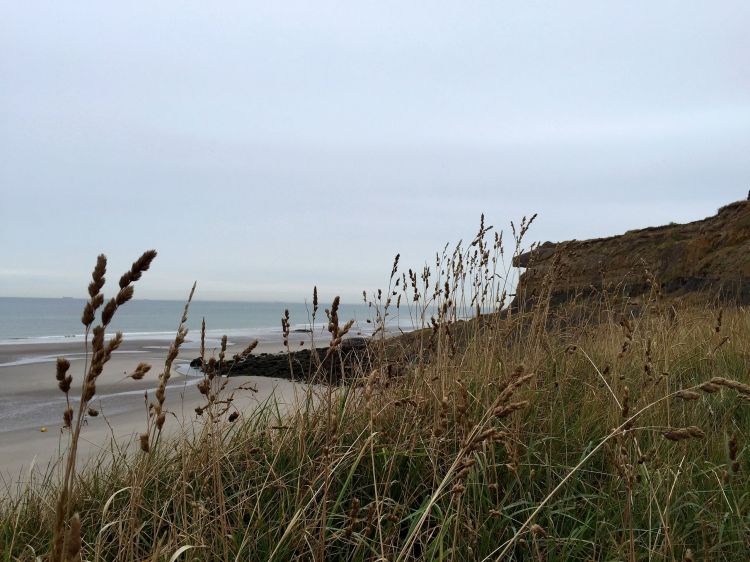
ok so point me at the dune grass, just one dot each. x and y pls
(602, 431)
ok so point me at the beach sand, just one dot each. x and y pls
(31, 400)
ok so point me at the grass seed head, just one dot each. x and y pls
(734, 385)
(710, 388)
(109, 311)
(124, 295)
(62, 368)
(680, 434)
(68, 417)
(136, 270)
(97, 276)
(140, 371)
(73, 544)
(688, 395)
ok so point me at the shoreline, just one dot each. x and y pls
(31, 400)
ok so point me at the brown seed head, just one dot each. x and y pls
(345, 329)
(223, 348)
(64, 384)
(109, 311)
(68, 417)
(73, 544)
(688, 395)
(114, 343)
(89, 391)
(139, 266)
(125, 280)
(696, 432)
(97, 276)
(140, 371)
(187, 304)
(504, 411)
(734, 385)
(62, 368)
(353, 514)
(203, 340)
(683, 433)
(203, 387)
(249, 349)
(709, 387)
(87, 318)
(97, 341)
(124, 295)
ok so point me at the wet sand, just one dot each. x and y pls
(31, 400)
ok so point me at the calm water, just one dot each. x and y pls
(28, 320)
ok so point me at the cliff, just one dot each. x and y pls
(710, 256)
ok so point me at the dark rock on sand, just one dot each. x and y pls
(350, 360)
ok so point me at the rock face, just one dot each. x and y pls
(710, 256)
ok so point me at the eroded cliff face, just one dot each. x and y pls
(710, 256)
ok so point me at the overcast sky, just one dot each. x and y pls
(264, 147)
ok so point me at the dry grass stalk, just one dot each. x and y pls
(733, 450)
(157, 408)
(320, 462)
(100, 355)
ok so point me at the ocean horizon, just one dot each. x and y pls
(47, 320)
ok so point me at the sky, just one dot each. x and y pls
(266, 147)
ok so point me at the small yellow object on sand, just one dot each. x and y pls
(43, 430)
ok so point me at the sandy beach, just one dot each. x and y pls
(31, 405)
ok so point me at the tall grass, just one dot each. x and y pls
(604, 431)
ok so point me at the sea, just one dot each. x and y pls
(32, 328)
(50, 320)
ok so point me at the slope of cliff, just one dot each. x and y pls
(710, 256)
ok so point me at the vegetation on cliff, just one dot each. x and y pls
(710, 256)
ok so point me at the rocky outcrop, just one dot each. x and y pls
(351, 360)
(710, 256)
